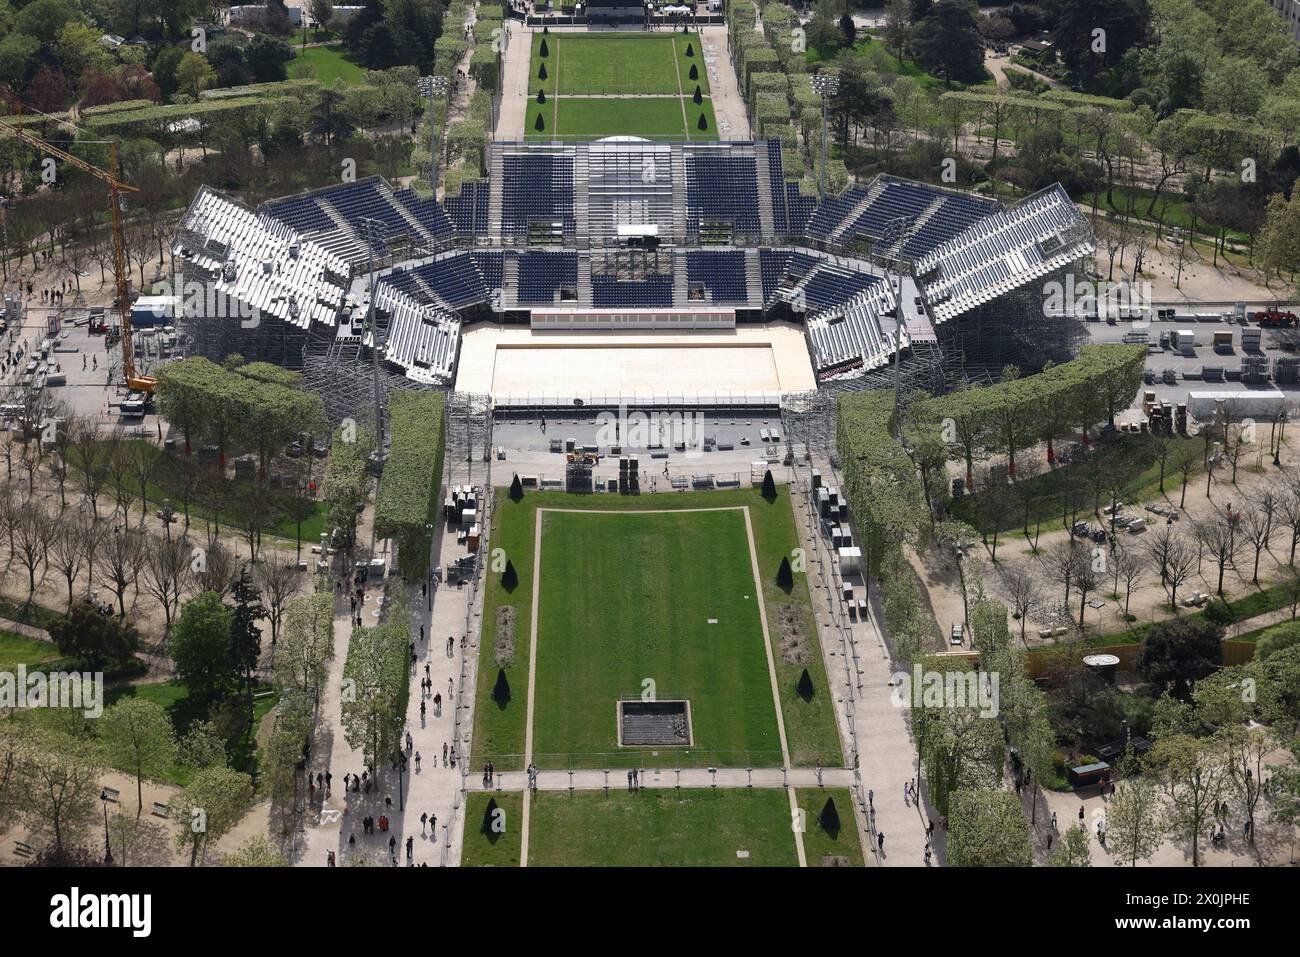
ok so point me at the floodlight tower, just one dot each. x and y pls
(826, 85)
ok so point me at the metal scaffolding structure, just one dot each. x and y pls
(469, 436)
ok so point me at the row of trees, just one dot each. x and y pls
(407, 502)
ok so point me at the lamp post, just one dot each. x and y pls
(825, 85)
(108, 851)
(898, 230)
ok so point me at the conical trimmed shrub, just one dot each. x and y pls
(784, 576)
(543, 50)
(501, 690)
(516, 489)
(698, 98)
(541, 95)
(690, 49)
(829, 818)
(541, 72)
(510, 577)
(540, 124)
(695, 72)
(489, 814)
(805, 686)
(703, 124)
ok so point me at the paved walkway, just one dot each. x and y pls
(664, 778)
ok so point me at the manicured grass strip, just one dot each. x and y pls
(330, 63)
(811, 731)
(824, 848)
(486, 848)
(662, 828)
(663, 601)
(614, 63)
(569, 117)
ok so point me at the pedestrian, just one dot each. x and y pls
(907, 793)
(421, 712)
(444, 754)
(1049, 840)
(449, 644)
(352, 839)
(426, 669)
(629, 780)
(1080, 813)
(408, 741)
(329, 858)
(392, 846)
(871, 796)
(880, 841)
(424, 819)
(410, 849)
(927, 855)
(1053, 820)
(417, 762)
(422, 632)
(433, 826)
(329, 782)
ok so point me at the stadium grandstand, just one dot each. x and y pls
(630, 235)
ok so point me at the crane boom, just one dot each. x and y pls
(116, 189)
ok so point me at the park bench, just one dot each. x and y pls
(158, 809)
(112, 794)
(23, 849)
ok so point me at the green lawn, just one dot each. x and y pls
(628, 598)
(329, 63)
(661, 828)
(823, 848)
(617, 63)
(499, 730)
(16, 650)
(486, 848)
(569, 117)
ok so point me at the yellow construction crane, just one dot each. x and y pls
(116, 189)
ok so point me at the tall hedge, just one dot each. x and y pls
(408, 491)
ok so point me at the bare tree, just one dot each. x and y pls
(278, 577)
(1218, 538)
(1131, 570)
(1182, 565)
(118, 464)
(93, 535)
(1062, 562)
(216, 569)
(144, 463)
(90, 456)
(67, 551)
(166, 574)
(1086, 572)
(1255, 527)
(123, 551)
(1022, 589)
(31, 543)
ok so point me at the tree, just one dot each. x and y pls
(509, 577)
(277, 578)
(1218, 538)
(194, 74)
(307, 643)
(376, 684)
(67, 551)
(123, 554)
(769, 486)
(167, 564)
(947, 42)
(1245, 753)
(245, 635)
(88, 635)
(258, 851)
(1073, 851)
(209, 806)
(1135, 821)
(987, 829)
(59, 782)
(200, 649)
(1192, 775)
(1177, 653)
(137, 736)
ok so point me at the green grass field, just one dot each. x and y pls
(486, 848)
(638, 610)
(328, 64)
(18, 650)
(660, 828)
(581, 74)
(569, 117)
(821, 847)
(612, 649)
(589, 63)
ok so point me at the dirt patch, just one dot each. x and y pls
(796, 649)
(503, 648)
